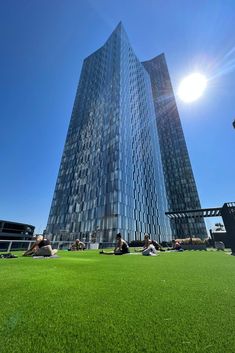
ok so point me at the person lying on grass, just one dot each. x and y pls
(78, 245)
(41, 247)
(120, 248)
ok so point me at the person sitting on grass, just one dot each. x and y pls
(41, 247)
(121, 247)
(157, 245)
(148, 248)
(176, 246)
(78, 245)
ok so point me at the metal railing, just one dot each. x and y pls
(23, 245)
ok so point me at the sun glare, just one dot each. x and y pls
(192, 87)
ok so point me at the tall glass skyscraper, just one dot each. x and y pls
(179, 180)
(112, 177)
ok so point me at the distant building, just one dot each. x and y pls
(179, 180)
(114, 175)
(15, 231)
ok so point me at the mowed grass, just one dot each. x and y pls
(86, 302)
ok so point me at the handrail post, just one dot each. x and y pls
(9, 246)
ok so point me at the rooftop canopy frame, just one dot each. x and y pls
(227, 212)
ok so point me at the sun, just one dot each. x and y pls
(192, 87)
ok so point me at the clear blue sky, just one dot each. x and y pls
(43, 44)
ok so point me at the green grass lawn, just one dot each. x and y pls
(86, 302)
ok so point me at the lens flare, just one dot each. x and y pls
(192, 87)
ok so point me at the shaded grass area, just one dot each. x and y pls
(85, 302)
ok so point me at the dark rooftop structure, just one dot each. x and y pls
(15, 231)
(202, 212)
(227, 212)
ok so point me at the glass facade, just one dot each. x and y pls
(111, 177)
(179, 180)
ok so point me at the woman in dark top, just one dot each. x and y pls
(41, 247)
(120, 248)
(44, 242)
